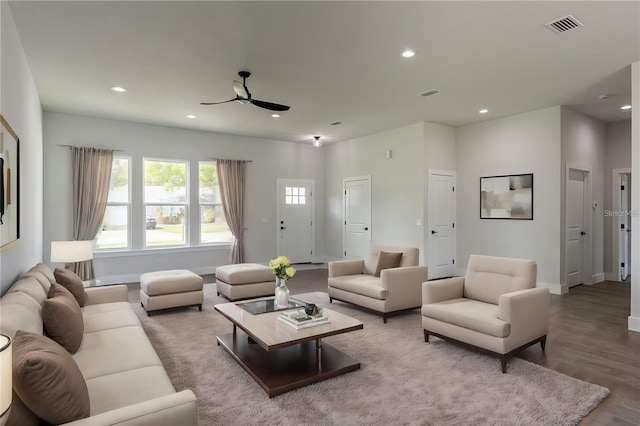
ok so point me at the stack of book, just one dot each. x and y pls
(299, 319)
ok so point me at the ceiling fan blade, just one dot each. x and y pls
(269, 105)
(223, 102)
(240, 89)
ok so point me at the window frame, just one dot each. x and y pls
(185, 205)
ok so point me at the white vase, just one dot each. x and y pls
(282, 293)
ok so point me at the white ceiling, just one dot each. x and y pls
(330, 61)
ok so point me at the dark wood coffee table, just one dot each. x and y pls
(283, 358)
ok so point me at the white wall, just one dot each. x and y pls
(20, 106)
(270, 160)
(523, 143)
(584, 147)
(396, 186)
(634, 318)
(618, 156)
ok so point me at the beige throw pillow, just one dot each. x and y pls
(62, 318)
(387, 260)
(69, 280)
(47, 380)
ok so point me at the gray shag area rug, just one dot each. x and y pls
(402, 380)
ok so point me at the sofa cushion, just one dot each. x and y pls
(387, 260)
(468, 313)
(244, 273)
(19, 312)
(366, 285)
(47, 380)
(69, 280)
(488, 277)
(31, 287)
(62, 318)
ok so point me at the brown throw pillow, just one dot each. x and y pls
(387, 260)
(62, 318)
(69, 280)
(47, 380)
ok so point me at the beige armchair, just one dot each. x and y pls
(396, 287)
(495, 308)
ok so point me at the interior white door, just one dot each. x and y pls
(441, 231)
(624, 240)
(357, 216)
(575, 232)
(295, 219)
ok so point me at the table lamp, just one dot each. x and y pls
(6, 369)
(71, 251)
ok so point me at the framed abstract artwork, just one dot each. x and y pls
(9, 185)
(507, 197)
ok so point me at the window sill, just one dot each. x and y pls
(104, 254)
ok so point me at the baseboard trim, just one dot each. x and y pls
(612, 276)
(596, 278)
(554, 288)
(634, 323)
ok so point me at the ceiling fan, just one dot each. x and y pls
(244, 96)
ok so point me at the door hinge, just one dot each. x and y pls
(453, 261)
(453, 189)
(622, 188)
(622, 226)
(345, 223)
(453, 225)
(345, 252)
(311, 222)
(622, 264)
(345, 192)
(311, 252)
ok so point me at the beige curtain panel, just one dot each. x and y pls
(231, 182)
(91, 178)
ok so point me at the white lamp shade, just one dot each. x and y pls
(5, 374)
(71, 251)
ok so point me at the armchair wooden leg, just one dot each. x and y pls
(384, 318)
(426, 336)
(543, 342)
(330, 299)
(503, 362)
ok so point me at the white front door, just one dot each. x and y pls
(575, 232)
(624, 242)
(294, 225)
(357, 216)
(441, 231)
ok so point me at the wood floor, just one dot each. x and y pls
(588, 339)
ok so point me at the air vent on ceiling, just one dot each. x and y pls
(564, 24)
(430, 92)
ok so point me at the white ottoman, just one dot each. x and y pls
(170, 289)
(245, 280)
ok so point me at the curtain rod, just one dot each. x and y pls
(72, 146)
(244, 161)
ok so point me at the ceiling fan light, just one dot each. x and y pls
(317, 142)
(625, 107)
(409, 53)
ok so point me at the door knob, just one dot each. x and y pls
(434, 232)
(583, 233)
(366, 228)
(283, 227)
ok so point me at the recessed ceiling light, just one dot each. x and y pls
(275, 115)
(626, 107)
(483, 111)
(408, 53)
(118, 89)
(191, 116)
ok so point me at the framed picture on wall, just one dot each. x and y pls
(9, 186)
(507, 197)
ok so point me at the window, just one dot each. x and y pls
(213, 226)
(114, 232)
(165, 202)
(294, 195)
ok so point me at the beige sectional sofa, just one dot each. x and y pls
(125, 379)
